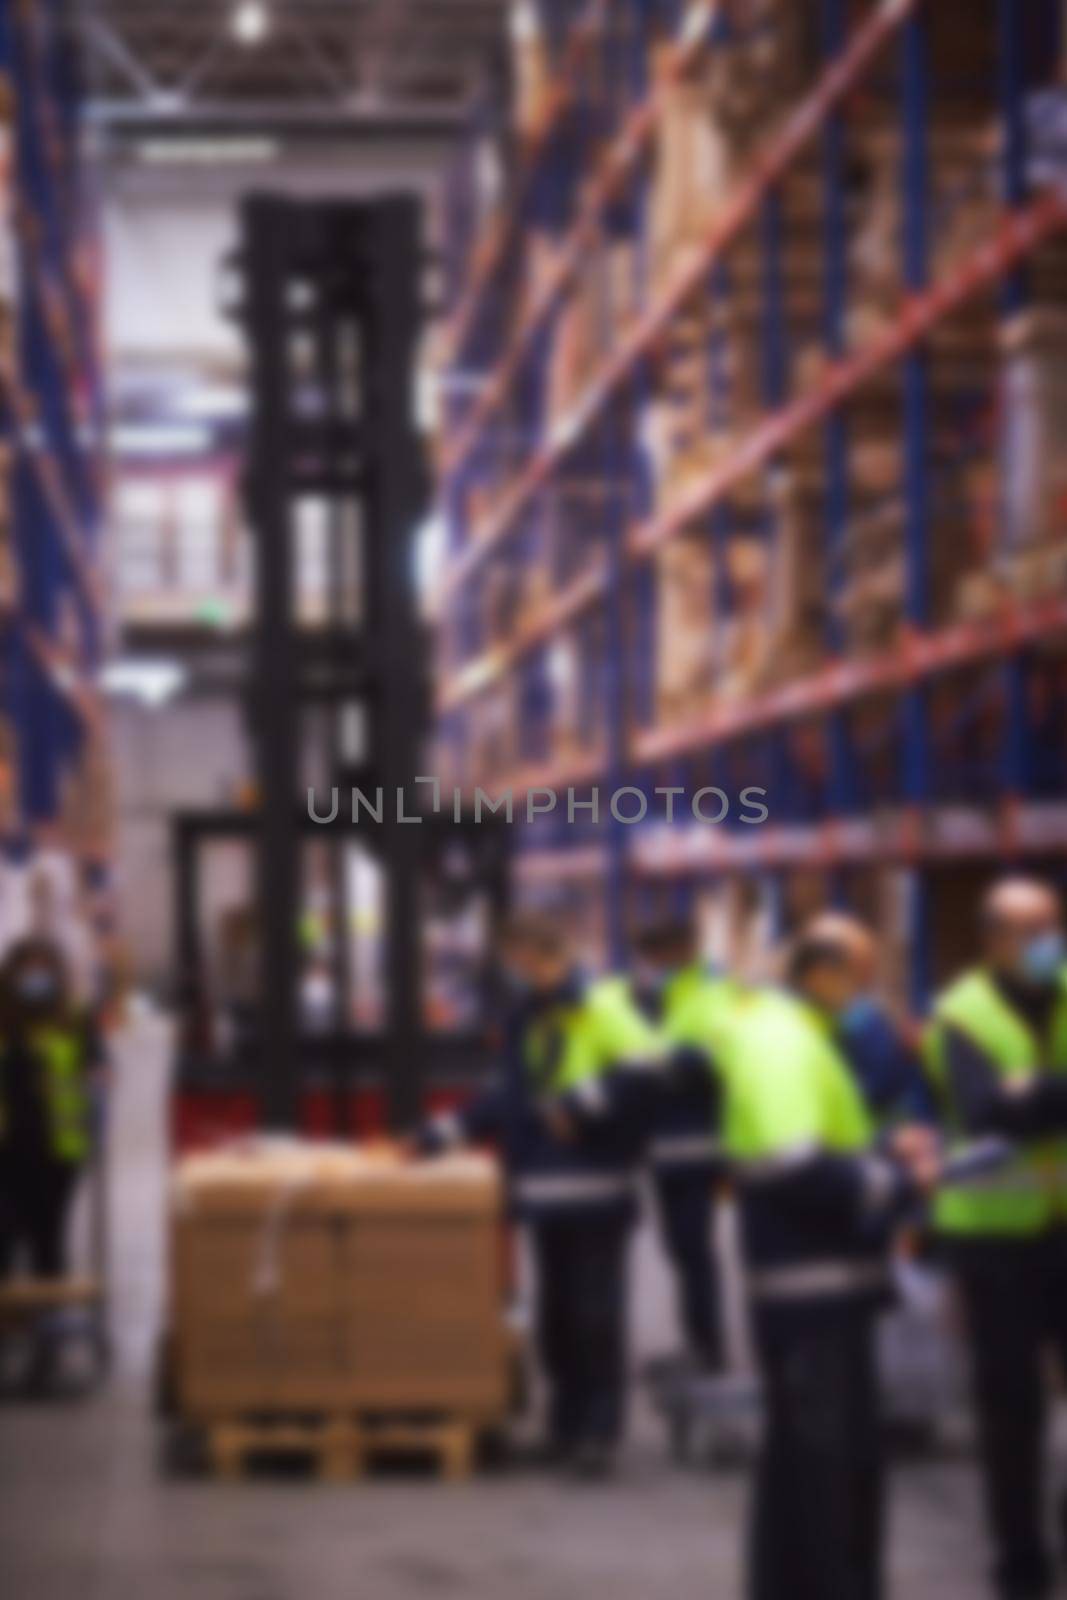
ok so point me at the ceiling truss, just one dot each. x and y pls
(173, 64)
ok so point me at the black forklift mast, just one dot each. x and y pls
(329, 301)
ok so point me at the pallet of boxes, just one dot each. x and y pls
(339, 1304)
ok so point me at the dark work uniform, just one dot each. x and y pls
(686, 1169)
(37, 1180)
(817, 1206)
(1013, 1278)
(577, 1196)
(888, 1071)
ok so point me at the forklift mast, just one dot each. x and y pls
(329, 300)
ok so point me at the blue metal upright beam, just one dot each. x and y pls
(1014, 189)
(614, 458)
(839, 796)
(917, 528)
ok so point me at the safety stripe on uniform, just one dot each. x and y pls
(763, 1169)
(681, 1147)
(879, 1177)
(1013, 1182)
(447, 1127)
(818, 1279)
(590, 1095)
(574, 1186)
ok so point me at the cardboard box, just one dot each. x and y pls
(1034, 430)
(320, 1278)
(685, 628)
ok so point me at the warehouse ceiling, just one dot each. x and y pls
(347, 68)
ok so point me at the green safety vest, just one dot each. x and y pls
(786, 1083)
(573, 1044)
(696, 1004)
(61, 1055)
(1031, 1193)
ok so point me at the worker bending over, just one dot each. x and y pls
(818, 1200)
(575, 1189)
(682, 996)
(48, 1052)
(998, 1051)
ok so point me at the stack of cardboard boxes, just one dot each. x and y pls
(693, 168)
(685, 628)
(1034, 452)
(602, 303)
(312, 1279)
(531, 68)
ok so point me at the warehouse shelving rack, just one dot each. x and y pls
(832, 822)
(51, 413)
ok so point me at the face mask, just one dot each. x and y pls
(36, 986)
(1042, 958)
(651, 980)
(861, 1009)
(514, 983)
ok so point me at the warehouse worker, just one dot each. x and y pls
(888, 1068)
(48, 1053)
(998, 1051)
(681, 995)
(818, 1201)
(576, 1190)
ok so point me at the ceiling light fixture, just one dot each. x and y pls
(250, 22)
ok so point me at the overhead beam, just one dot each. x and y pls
(132, 120)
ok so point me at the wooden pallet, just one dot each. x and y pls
(450, 1441)
(29, 1297)
(325, 1442)
(341, 1448)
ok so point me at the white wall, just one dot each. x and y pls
(162, 270)
(165, 232)
(184, 755)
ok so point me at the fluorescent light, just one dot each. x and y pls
(232, 151)
(250, 22)
(153, 682)
(212, 403)
(524, 22)
(160, 439)
(431, 547)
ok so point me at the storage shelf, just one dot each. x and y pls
(49, 478)
(489, 251)
(616, 167)
(559, 508)
(50, 408)
(66, 675)
(841, 683)
(936, 834)
(1017, 236)
(797, 130)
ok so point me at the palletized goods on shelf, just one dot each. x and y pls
(838, 502)
(1034, 449)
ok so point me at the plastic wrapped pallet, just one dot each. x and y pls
(693, 169)
(685, 658)
(531, 68)
(1034, 451)
(323, 1278)
(964, 206)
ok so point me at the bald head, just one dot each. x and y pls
(833, 960)
(1022, 921)
(847, 934)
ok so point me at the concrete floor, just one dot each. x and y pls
(85, 1515)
